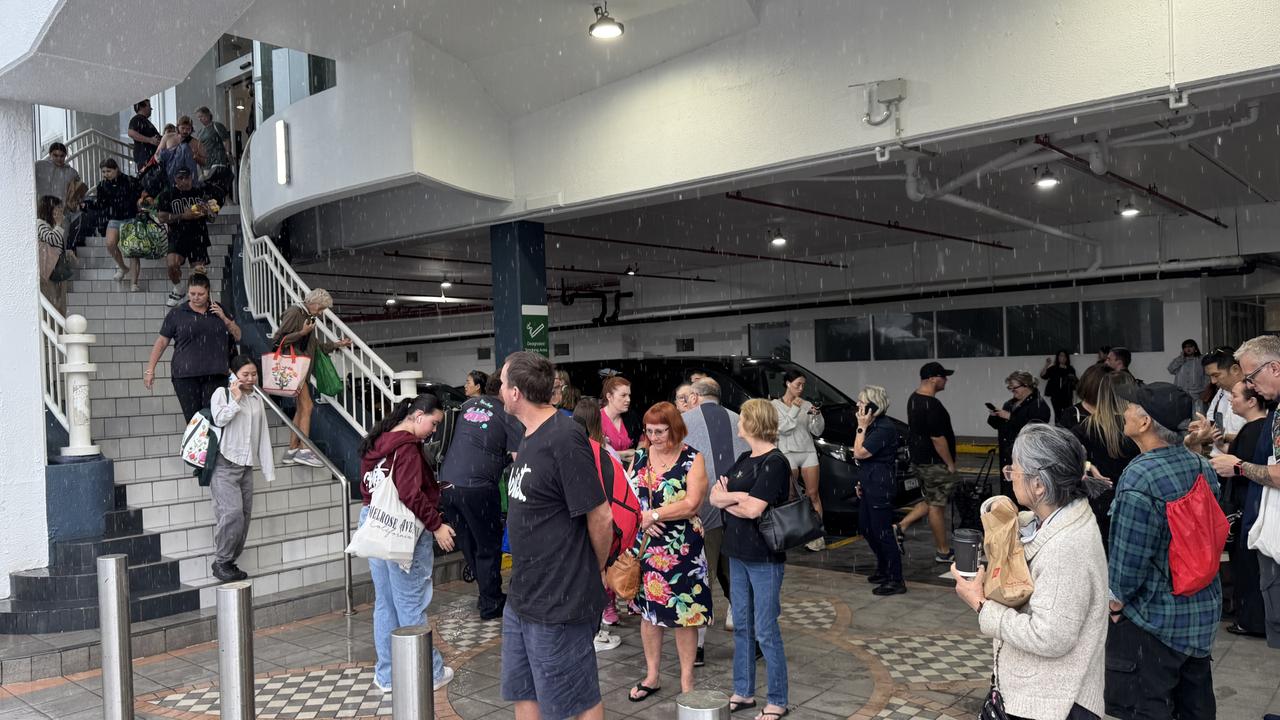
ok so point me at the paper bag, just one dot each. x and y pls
(1008, 577)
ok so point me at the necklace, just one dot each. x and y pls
(662, 465)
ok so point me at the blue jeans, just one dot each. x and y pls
(755, 589)
(401, 599)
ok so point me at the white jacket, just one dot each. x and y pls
(246, 438)
(1053, 649)
(797, 428)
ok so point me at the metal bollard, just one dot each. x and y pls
(117, 653)
(235, 650)
(702, 705)
(413, 693)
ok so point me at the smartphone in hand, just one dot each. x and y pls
(990, 407)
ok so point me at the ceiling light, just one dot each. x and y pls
(239, 104)
(1129, 210)
(445, 285)
(778, 240)
(1047, 180)
(391, 302)
(630, 270)
(605, 27)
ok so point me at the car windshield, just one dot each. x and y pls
(763, 378)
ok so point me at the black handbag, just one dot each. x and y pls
(791, 524)
(63, 270)
(993, 706)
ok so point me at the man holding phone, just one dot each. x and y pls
(933, 448)
(1220, 424)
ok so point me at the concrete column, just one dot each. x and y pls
(24, 531)
(519, 271)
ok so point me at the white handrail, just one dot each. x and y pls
(272, 287)
(90, 147)
(53, 353)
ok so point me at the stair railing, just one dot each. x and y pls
(52, 354)
(371, 386)
(64, 375)
(90, 147)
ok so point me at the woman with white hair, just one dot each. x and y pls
(1026, 406)
(875, 447)
(297, 330)
(1050, 654)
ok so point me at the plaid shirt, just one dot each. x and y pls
(1138, 568)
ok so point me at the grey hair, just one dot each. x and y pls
(319, 296)
(707, 388)
(1055, 459)
(1265, 348)
(1167, 436)
(877, 395)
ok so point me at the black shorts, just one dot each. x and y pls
(193, 248)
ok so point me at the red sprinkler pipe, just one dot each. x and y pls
(875, 223)
(1149, 190)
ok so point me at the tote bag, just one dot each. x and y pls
(283, 374)
(327, 380)
(1264, 536)
(390, 530)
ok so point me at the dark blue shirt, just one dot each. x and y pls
(483, 440)
(201, 342)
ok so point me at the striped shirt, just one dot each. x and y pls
(1138, 568)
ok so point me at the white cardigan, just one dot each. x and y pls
(796, 427)
(1054, 647)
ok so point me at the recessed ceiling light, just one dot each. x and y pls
(239, 105)
(778, 239)
(1047, 180)
(605, 27)
(1129, 211)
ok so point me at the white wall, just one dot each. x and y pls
(24, 532)
(198, 89)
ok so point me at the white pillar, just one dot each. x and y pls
(77, 368)
(24, 532)
(407, 383)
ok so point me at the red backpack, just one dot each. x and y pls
(622, 501)
(1197, 533)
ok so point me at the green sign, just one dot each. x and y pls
(533, 329)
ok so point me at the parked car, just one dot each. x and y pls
(451, 399)
(741, 378)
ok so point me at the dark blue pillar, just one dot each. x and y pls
(519, 255)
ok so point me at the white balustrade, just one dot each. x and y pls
(90, 147)
(65, 371)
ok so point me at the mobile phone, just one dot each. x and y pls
(1217, 420)
(990, 407)
(233, 379)
(871, 407)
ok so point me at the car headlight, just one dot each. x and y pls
(833, 450)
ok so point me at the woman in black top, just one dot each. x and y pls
(117, 195)
(1026, 406)
(1087, 390)
(876, 449)
(1106, 446)
(1060, 382)
(760, 479)
(1246, 595)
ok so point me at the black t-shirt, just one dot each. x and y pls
(882, 442)
(201, 342)
(767, 478)
(142, 152)
(555, 577)
(177, 201)
(928, 418)
(483, 439)
(1060, 383)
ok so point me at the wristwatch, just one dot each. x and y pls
(861, 429)
(654, 515)
(1239, 468)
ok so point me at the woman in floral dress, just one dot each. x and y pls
(674, 592)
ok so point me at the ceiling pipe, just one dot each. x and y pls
(556, 268)
(1186, 124)
(992, 166)
(852, 178)
(862, 221)
(1246, 121)
(703, 251)
(1150, 191)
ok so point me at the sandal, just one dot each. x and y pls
(644, 689)
(735, 706)
(767, 715)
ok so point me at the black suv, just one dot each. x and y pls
(655, 379)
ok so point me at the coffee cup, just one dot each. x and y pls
(967, 543)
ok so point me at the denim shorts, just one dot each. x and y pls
(115, 224)
(551, 664)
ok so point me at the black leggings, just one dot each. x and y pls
(194, 392)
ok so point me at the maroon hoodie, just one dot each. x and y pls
(415, 482)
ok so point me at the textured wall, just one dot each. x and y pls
(22, 482)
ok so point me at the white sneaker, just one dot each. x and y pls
(290, 457)
(384, 690)
(174, 299)
(133, 287)
(816, 545)
(119, 274)
(728, 617)
(605, 641)
(306, 457)
(446, 677)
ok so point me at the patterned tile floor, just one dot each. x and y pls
(851, 656)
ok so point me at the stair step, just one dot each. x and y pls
(122, 523)
(70, 556)
(83, 615)
(42, 585)
(285, 576)
(263, 552)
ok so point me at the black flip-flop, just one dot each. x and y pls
(741, 705)
(779, 716)
(644, 689)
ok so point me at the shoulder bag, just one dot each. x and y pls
(993, 706)
(790, 524)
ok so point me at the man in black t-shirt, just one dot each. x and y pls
(144, 135)
(187, 212)
(485, 439)
(560, 527)
(933, 450)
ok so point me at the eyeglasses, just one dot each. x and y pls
(686, 397)
(656, 432)
(1011, 388)
(1008, 471)
(1248, 379)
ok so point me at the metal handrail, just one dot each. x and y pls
(337, 475)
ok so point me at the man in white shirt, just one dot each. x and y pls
(1224, 371)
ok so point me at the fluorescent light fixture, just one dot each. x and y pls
(605, 27)
(778, 240)
(442, 300)
(1047, 180)
(1129, 210)
(282, 153)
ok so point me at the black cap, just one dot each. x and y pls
(1167, 404)
(934, 369)
(182, 172)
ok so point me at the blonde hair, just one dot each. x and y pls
(319, 296)
(875, 394)
(1022, 377)
(758, 418)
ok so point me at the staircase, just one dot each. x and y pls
(295, 536)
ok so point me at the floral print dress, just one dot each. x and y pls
(674, 590)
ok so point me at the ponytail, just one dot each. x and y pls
(402, 409)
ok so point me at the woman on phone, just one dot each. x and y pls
(799, 421)
(876, 449)
(1026, 406)
(245, 443)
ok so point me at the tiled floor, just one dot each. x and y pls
(850, 655)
